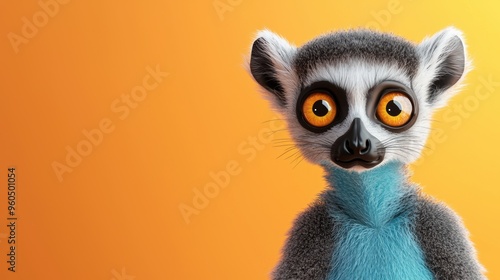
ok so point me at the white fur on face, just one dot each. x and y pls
(357, 78)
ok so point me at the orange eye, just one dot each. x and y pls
(319, 109)
(394, 109)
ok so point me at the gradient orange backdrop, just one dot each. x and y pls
(116, 215)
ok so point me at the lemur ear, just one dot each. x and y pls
(271, 65)
(443, 63)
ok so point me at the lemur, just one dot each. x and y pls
(359, 103)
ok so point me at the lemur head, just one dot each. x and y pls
(359, 98)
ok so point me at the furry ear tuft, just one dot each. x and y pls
(271, 64)
(443, 63)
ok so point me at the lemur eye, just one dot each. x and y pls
(319, 109)
(394, 109)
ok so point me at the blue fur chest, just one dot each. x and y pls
(386, 252)
(373, 226)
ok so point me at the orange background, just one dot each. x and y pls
(119, 208)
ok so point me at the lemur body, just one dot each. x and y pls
(359, 103)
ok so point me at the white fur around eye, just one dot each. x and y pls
(357, 78)
(417, 67)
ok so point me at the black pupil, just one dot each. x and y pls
(393, 108)
(321, 108)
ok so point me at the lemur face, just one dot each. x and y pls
(357, 99)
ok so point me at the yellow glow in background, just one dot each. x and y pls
(86, 65)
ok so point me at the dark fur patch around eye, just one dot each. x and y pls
(336, 92)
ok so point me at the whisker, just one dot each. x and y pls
(272, 120)
(286, 152)
(293, 155)
(274, 131)
(298, 162)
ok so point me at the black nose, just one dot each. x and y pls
(357, 147)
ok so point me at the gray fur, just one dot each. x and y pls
(309, 247)
(358, 60)
(356, 44)
(449, 253)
